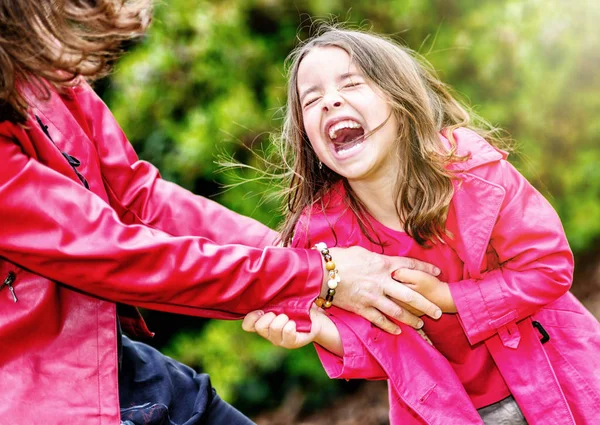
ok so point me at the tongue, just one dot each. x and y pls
(348, 137)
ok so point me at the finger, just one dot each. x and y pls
(414, 264)
(412, 277)
(378, 319)
(289, 335)
(412, 298)
(276, 329)
(410, 309)
(250, 320)
(263, 324)
(391, 309)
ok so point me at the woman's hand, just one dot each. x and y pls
(367, 288)
(428, 286)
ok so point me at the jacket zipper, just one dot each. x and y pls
(10, 278)
(73, 162)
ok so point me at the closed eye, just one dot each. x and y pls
(311, 101)
(352, 84)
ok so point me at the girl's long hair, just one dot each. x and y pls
(423, 107)
(58, 41)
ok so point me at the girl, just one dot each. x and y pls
(386, 158)
(88, 231)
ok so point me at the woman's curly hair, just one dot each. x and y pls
(58, 41)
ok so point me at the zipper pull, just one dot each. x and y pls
(8, 282)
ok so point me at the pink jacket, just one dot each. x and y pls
(70, 254)
(518, 269)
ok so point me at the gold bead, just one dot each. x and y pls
(319, 302)
(327, 304)
(330, 265)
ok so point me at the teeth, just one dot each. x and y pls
(350, 149)
(342, 124)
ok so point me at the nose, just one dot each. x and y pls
(332, 100)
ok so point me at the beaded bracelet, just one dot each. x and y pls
(334, 277)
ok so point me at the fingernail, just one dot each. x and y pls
(260, 312)
(436, 271)
(437, 314)
(397, 331)
(420, 324)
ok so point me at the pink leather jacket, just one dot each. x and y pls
(518, 269)
(69, 254)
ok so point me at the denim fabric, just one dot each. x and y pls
(505, 412)
(156, 390)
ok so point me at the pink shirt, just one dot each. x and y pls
(473, 365)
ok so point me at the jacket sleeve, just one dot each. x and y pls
(357, 362)
(139, 195)
(535, 263)
(56, 228)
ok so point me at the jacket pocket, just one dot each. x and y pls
(576, 366)
(573, 352)
(573, 320)
(9, 279)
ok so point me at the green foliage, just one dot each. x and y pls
(209, 78)
(231, 354)
(248, 370)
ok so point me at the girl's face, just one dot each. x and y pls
(340, 107)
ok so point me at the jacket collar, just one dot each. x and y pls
(476, 148)
(476, 202)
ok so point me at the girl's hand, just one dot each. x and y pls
(367, 288)
(280, 330)
(428, 286)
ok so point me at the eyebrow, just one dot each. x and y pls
(342, 77)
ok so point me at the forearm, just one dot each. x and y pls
(83, 244)
(503, 297)
(140, 196)
(145, 198)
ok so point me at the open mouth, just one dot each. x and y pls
(346, 136)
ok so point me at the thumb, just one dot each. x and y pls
(250, 320)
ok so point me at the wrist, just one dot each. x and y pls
(331, 277)
(317, 329)
(338, 254)
(327, 334)
(447, 304)
(324, 287)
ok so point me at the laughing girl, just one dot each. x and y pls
(385, 158)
